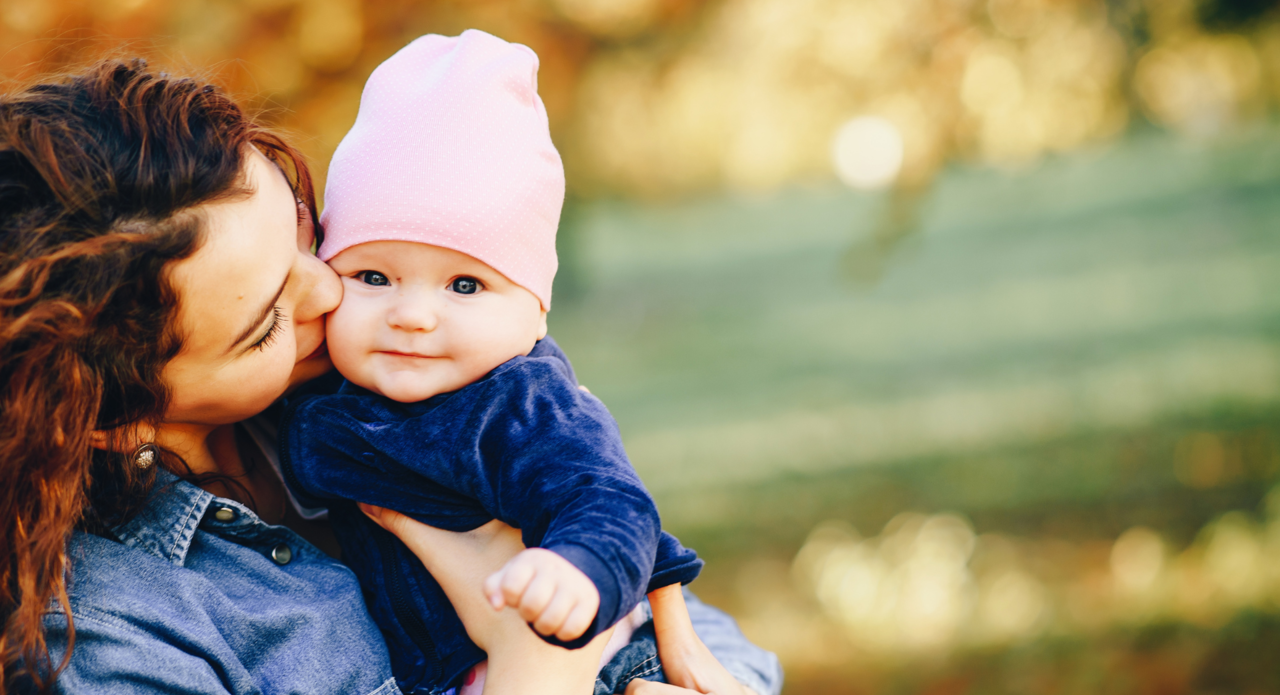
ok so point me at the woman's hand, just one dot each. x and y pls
(460, 562)
(520, 663)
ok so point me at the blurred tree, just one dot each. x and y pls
(1233, 15)
(663, 98)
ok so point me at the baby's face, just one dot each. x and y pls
(419, 320)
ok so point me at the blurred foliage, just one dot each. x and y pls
(672, 97)
(1233, 15)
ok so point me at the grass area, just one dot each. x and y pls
(1100, 293)
(1056, 355)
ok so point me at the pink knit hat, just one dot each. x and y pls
(451, 148)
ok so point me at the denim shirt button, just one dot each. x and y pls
(224, 514)
(281, 554)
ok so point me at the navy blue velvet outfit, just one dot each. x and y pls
(524, 445)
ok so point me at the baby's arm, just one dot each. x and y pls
(550, 593)
(550, 461)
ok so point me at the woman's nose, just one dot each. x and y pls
(321, 289)
(414, 310)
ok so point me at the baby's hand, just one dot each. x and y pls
(548, 591)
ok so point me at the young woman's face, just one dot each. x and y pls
(252, 302)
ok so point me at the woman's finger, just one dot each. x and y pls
(380, 515)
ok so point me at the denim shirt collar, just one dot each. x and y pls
(168, 522)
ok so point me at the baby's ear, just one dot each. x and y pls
(542, 325)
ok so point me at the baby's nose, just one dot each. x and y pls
(414, 311)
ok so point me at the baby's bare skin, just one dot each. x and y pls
(548, 592)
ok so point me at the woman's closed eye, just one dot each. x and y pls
(466, 285)
(273, 331)
(373, 277)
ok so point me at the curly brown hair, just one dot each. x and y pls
(101, 173)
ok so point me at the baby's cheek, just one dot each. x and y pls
(347, 340)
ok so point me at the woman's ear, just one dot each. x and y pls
(124, 439)
(542, 325)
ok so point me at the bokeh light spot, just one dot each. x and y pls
(868, 153)
(992, 82)
(330, 33)
(1136, 559)
(29, 17)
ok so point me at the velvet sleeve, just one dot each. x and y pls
(552, 458)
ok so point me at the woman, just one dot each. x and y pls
(157, 287)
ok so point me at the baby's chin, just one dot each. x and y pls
(403, 385)
(408, 386)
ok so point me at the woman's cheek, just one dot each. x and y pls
(274, 377)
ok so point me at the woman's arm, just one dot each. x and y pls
(519, 661)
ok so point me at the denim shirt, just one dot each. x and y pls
(198, 595)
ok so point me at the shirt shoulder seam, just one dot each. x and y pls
(88, 613)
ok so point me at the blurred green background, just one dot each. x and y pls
(948, 331)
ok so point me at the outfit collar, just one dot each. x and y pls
(168, 522)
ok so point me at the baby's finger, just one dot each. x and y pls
(577, 622)
(515, 581)
(493, 589)
(537, 596)
(551, 619)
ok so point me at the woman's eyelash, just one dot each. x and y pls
(277, 325)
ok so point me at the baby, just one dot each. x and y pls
(441, 211)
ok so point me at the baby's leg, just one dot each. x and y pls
(686, 661)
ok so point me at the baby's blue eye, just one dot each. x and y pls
(465, 285)
(373, 277)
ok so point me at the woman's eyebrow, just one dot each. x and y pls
(262, 316)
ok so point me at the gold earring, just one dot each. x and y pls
(144, 456)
